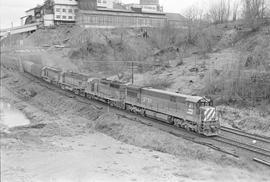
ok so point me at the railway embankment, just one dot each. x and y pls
(67, 134)
(234, 70)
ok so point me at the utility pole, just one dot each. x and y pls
(132, 72)
(10, 34)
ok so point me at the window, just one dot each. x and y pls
(58, 16)
(63, 10)
(70, 17)
(57, 9)
(76, 10)
(64, 17)
(70, 10)
(99, 1)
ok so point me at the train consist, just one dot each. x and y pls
(194, 113)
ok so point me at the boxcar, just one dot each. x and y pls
(36, 70)
(27, 66)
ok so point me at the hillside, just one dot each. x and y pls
(229, 64)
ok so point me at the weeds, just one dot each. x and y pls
(158, 83)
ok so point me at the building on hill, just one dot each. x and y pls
(93, 4)
(102, 14)
(65, 11)
(112, 18)
(87, 4)
(105, 4)
(33, 15)
(176, 20)
(92, 14)
(146, 6)
(149, 2)
(52, 12)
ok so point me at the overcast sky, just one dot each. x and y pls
(12, 10)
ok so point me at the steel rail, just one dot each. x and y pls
(262, 161)
(248, 147)
(245, 134)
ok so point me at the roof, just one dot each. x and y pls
(128, 11)
(175, 17)
(189, 98)
(30, 9)
(37, 7)
(52, 68)
(118, 6)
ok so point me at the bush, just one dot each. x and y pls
(158, 83)
(236, 84)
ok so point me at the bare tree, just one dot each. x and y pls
(48, 6)
(235, 9)
(194, 17)
(220, 11)
(254, 11)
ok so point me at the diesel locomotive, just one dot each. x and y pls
(194, 113)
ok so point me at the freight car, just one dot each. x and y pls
(33, 68)
(194, 113)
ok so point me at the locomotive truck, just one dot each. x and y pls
(194, 113)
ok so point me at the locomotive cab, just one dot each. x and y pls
(210, 125)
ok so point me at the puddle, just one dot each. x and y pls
(11, 117)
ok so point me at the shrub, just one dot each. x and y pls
(236, 84)
(158, 83)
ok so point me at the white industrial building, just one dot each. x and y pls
(65, 10)
(105, 4)
(146, 6)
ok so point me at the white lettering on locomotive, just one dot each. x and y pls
(146, 100)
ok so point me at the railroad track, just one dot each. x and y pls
(245, 134)
(256, 150)
(194, 137)
(246, 138)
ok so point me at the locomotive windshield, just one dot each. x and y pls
(205, 103)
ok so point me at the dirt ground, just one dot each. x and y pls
(72, 141)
